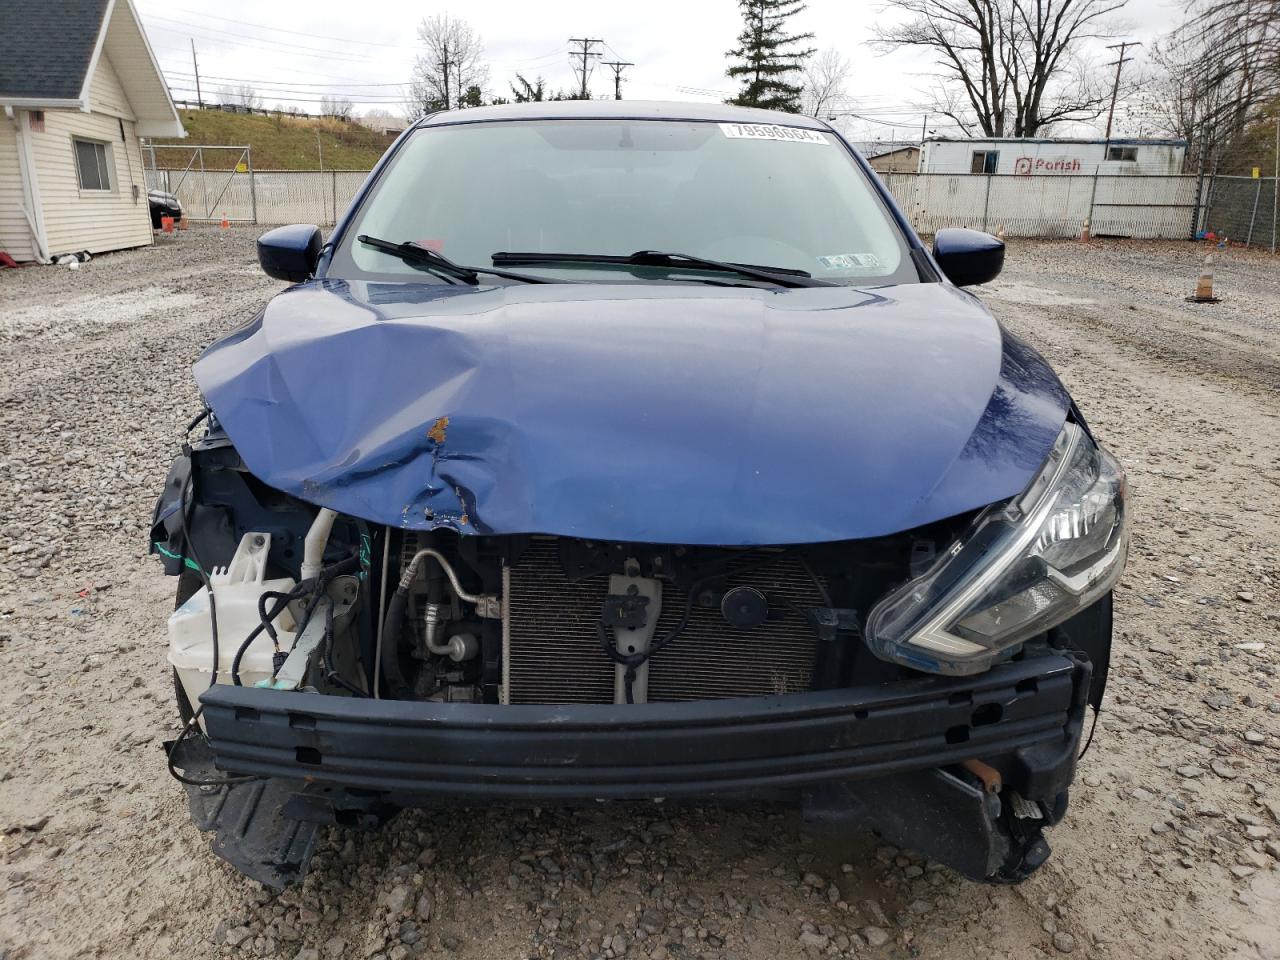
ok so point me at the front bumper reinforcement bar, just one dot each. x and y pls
(351, 759)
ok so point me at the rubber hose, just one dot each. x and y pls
(392, 628)
(256, 632)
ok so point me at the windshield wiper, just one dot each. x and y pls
(411, 252)
(782, 276)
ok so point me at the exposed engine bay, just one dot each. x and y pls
(514, 619)
(328, 603)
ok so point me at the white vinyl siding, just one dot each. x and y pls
(106, 95)
(93, 220)
(15, 232)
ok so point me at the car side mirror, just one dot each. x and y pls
(968, 257)
(290, 253)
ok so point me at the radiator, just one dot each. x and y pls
(552, 650)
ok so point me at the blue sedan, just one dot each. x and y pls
(619, 451)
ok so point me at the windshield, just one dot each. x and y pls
(769, 196)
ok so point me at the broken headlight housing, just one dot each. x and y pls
(1024, 566)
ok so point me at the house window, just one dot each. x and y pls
(35, 120)
(93, 164)
(984, 161)
(1127, 154)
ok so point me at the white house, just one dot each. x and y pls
(78, 86)
(1046, 157)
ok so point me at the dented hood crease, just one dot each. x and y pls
(662, 413)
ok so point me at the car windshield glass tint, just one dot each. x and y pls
(769, 196)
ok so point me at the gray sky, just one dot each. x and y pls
(291, 51)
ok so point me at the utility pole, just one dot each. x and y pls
(1275, 190)
(584, 51)
(1121, 60)
(617, 67)
(195, 66)
(444, 66)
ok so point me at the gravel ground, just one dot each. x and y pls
(1171, 848)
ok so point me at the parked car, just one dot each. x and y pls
(614, 451)
(163, 204)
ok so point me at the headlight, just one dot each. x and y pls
(1024, 566)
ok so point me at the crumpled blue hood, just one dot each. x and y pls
(653, 413)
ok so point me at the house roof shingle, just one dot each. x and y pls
(45, 47)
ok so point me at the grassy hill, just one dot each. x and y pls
(277, 142)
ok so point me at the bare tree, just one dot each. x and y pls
(340, 107)
(1019, 65)
(242, 95)
(450, 64)
(825, 77)
(1217, 73)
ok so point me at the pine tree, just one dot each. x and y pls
(768, 55)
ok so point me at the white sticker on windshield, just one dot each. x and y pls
(850, 261)
(771, 131)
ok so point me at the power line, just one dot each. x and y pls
(170, 67)
(698, 91)
(298, 33)
(283, 44)
(557, 52)
(586, 53)
(283, 83)
(271, 46)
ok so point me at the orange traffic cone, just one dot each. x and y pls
(1084, 231)
(225, 224)
(1204, 284)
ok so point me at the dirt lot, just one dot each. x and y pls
(1171, 849)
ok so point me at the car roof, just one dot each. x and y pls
(622, 110)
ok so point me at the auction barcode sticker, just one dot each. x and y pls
(771, 131)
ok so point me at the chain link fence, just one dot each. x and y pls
(1150, 207)
(266, 197)
(1243, 209)
(1140, 206)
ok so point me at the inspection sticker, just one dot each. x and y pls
(850, 261)
(771, 131)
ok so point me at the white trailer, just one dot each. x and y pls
(1036, 157)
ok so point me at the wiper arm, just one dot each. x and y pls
(410, 252)
(782, 276)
